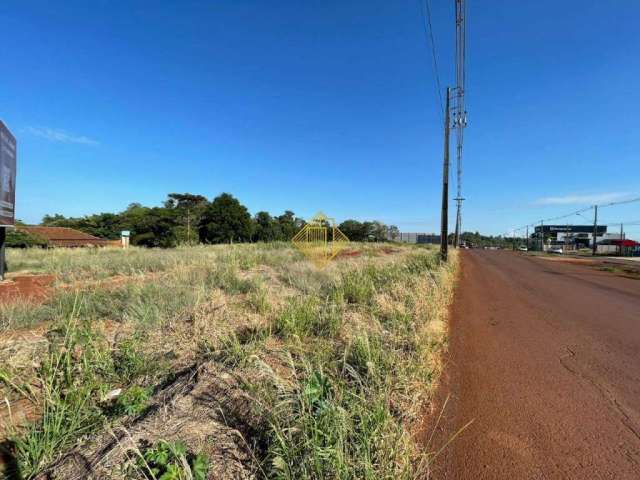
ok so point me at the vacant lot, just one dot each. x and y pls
(221, 362)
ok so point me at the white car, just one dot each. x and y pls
(522, 248)
(555, 250)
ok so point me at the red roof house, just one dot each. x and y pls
(64, 237)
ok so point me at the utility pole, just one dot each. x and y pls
(527, 237)
(595, 230)
(3, 259)
(444, 220)
(542, 235)
(621, 236)
(189, 226)
(459, 112)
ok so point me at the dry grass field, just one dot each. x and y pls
(226, 362)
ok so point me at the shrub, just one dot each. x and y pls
(20, 239)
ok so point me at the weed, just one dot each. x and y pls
(329, 430)
(367, 357)
(129, 361)
(231, 351)
(67, 400)
(259, 300)
(134, 400)
(298, 318)
(357, 287)
(172, 461)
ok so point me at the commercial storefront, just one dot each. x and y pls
(567, 236)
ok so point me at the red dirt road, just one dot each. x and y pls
(545, 358)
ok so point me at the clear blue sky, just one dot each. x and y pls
(321, 105)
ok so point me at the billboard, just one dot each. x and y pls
(8, 155)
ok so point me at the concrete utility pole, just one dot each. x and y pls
(595, 230)
(542, 235)
(444, 220)
(621, 237)
(527, 237)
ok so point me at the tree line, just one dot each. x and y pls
(478, 240)
(185, 218)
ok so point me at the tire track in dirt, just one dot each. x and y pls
(545, 359)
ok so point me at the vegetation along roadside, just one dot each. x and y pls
(227, 361)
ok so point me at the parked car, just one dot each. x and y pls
(523, 248)
(555, 250)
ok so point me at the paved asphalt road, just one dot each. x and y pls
(545, 358)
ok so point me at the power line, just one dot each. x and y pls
(621, 202)
(578, 212)
(615, 224)
(562, 217)
(426, 21)
(551, 219)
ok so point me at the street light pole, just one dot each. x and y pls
(595, 230)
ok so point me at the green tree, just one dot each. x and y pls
(184, 201)
(378, 231)
(188, 209)
(55, 220)
(373, 231)
(155, 229)
(102, 225)
(353, 229)
(225, 220)
(19, 239)
(265, 228)
(289, 225)
(392, 232)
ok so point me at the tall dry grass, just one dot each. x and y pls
(348, 356)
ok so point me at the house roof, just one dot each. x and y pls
(626, 243)
(63, 236)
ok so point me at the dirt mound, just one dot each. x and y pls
(349, 253)
(205, 407)
(31, 287)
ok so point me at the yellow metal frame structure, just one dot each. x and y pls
(320, 240)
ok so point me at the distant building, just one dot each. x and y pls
(428, 238)
(572, 236)
(65, 237)
(575, 237)
(614, 246)
(412, 237)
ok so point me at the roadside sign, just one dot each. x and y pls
(8, 153)
(124, 238)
